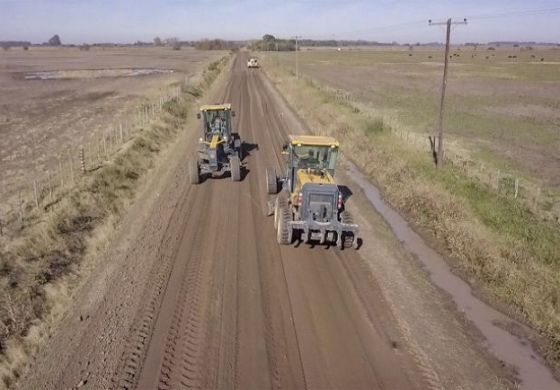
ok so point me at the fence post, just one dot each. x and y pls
(35, 193)
(83, 160)
(60, 172)
(516, 187)
(21, 219)
(49, 184)
(89, 153)
(121, 132)
(104, 145)
(72, 169)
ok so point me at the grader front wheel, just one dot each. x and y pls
(271, 181)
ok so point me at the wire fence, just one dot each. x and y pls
(70, 166)
(499, 181)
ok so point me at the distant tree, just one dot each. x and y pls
(158, 41)
(55, 41)
(216, 44)
(174, 43)
(268, 38)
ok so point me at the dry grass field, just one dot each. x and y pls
(54, 99)
(502, 127)
(503, 110)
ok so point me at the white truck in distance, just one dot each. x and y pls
(252, 63)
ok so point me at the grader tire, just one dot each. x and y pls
(238, 146)
(280, 203)
(271, 181)
(194, 172)
(235, 168)
(347, 238)
(284, 230)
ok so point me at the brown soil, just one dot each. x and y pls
(195, 292)
(40, 119)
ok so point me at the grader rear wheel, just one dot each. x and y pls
(284, 230)
(194, 172)
(280, 203)
(235, 168)
(347, 238)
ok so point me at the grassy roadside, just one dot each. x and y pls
(508, 252)
(39, 268)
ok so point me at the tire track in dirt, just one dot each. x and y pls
(132, 359)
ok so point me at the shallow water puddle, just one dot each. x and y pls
(513, 350)
(94, 73)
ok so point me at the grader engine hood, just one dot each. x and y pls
(313, 176)
(308, 176)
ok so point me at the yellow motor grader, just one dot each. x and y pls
(310, 205)
(220, 147)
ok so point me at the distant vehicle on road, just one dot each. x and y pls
(252, 63)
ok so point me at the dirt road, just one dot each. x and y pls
(203, 297)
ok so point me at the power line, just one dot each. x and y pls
(368, 30)
(542, 11)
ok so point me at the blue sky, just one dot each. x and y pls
(78, 21)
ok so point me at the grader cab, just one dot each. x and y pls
(220, 148)
(310, 205)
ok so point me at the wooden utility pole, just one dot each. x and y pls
(448, 23)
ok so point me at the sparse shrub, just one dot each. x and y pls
(25, 48)
(491, 48)
(375, 126)
(175, 108)
(192, 90)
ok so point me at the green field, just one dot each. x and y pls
(504, 111)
